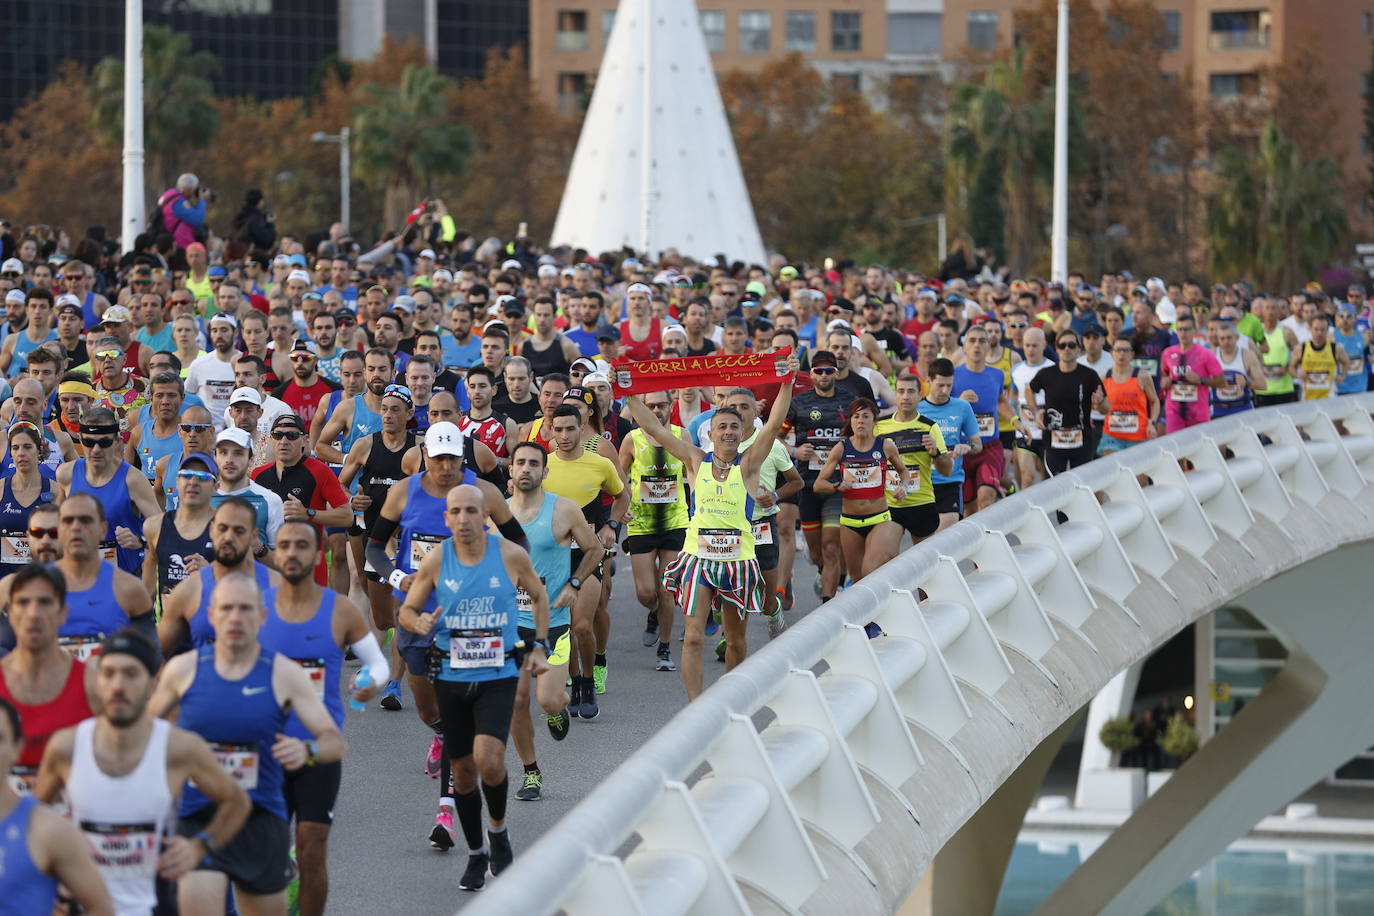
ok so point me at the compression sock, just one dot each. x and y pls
(600, 659)
(532, 767)
(469, 808)
(496, 799)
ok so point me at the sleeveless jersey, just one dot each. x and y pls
(309, 643)
(1004, 424)
(123, 818)
(477, 630)
(658, 499)
(22, 348)
(202, 630)
(422, 528)
(92, 614)
(1128, 414)
(1356, 368)
(381, 472)
(241, 720)
(43, 720)
(119, 511)
(1319, 365)
(173, 551)
(23, 887)
(46, 468)
(720, 528)
(366, 421)
(550, 359)
(1235, 395)
(169, 482)
(151, 448)
(907, 435)
(14, 524)
(552, 563)
(1276, 363)
(865, 469)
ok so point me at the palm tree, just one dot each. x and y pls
(406, 139)
(179, 111)
(1273, 215)
(1009, 117)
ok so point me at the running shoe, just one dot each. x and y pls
(650, 636)
(720, 650)
(434, 762)
(391, 696)
(665, 660)
(712, 627)
(475, 875)
(530, 790)
(817, 586)
(293, 890)
(589, 709)
(776, 624)
(559, 724)
(787, 600)
(501, 853)
(443, 836)
(574, 708)
(599, 678)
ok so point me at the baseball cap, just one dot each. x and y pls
(509, 305)
(298, 275)
(823, 358)
(596, 377)
(512, 264)
(639, 288)
(235, 436)
(64, 299)
(225, 318)
(1094, 330)
(195, 246)
(288, 421)
(204, 459)
(71, 308)
(281, 260)
(12, 266)
(218, 273)
(608, 333)
(443, 439)
(756, 287)
(245, 394)
(15, 295)
(583, 363)
(442, 273)
(298, 260)
(116, 314)
(303, 346)
(548, 270)
(787, 273)
(404, 302)
(428, 253)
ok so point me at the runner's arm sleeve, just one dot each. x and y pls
(146, 623)
(371, 655)
(512, 531)
(380, 536)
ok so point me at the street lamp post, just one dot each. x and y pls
(341, 138)
(131, 211)
(1059, 228)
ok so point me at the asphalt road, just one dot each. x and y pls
(380, 859)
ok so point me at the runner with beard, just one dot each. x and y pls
(817, 419)
(179, 542)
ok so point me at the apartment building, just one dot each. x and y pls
(856, 44)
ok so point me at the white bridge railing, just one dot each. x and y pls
(825, 773)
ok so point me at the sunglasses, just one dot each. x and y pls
(288, 436)
(824, 370)
(1019, 324)
(193, 474)
(102, 442)
(109, 354)
(43, 533)
(196, 427)
(1068, 345)
(302, 357)
(138, 282)
(182, 301)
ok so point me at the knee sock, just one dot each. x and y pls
(470, 819)
(445, 781)
(496, 799)
(600, 659)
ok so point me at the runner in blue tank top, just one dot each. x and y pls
(38, 847)
(236, 695)
(1355, 342)
(19, 494)
(158, 433)
(473, 577)
(312, 627)
(197, 431)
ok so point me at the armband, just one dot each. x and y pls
(512, 530)
(396, 578)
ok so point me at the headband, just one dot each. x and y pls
(112, 428)
(401, 393)
(130, 642)
(82, 388)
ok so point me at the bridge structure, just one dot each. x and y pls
(834, 773)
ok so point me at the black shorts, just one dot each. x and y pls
(819, 509)
(795, 498)
(311, 792)
(1035, 446)
(471, 708)
(919, 521)
(949, 498)
(558, 639)
(420, 660)
(672, 539)
(575, 562)
(1008, 437)
(257, 859)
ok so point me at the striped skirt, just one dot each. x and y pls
(738, 583)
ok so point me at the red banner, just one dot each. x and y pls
(745, 370)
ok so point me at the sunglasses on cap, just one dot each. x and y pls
(43, 533)
(193, 474)
(290, 435)
(98, 442)
(196, 427)
(824, 370)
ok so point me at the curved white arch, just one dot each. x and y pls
(843, 770)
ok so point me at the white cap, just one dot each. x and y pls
(443, 439)
(235, 436)
(595, 377)
(64, 299)
(1156, 282)
(428, 253)
(225, 318)
(442, 274)
(241, 395)
(404, 302)
(512, 264)
(639, 288)
(675, 329)
(281, 260)
(298, 275)
(15, 295)
(12, 266)
(548, 270)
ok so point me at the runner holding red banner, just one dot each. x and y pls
(744, 370)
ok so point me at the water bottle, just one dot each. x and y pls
(361, 682)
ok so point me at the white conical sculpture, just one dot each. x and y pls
(655, 166)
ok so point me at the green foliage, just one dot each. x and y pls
(1180, 739)
(1118, 735)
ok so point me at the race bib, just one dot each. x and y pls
(820, 449)
(84, 648)
(1231, 392)
(239, 762)
(123, 850)
(1353, 366)
(22, 779)
(314, 667)
(987, 424)
(108, 550)
(763, 533)
(420, 546)
(523, 602)
(1123, 422)
(1149, 365)
(719, 543)
(14, 549)
(1066, 438)
(1275, 371)
(1319, 381)
(896, 489)
(476, 649)
(1183, 393)
(862, 475)
(658, 490)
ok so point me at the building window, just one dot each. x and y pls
(755, 30)
(1234, 30)
(572, 93)
(982, 30)
(572, 30)
(607, 23)
(713, 27)
(913, 33)
(1365, 21)
(1170, 39)
(1233, 85)
(801, 31)
(844, 31)
(845, 83)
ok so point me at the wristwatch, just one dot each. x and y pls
(211, 847)
(544, 644)
(309, 513)
(575, 582)
(312, 751)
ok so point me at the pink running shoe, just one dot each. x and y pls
(443, 836)
(435, 759)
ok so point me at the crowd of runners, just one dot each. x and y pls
(243, 488)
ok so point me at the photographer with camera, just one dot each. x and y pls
(254, 225)
(183, 210)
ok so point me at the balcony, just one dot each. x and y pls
(572, 41)
(1243, 40)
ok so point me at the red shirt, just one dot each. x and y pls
(769, 390)
(648, 348)
(314, 484)
(491, 432)
(916, 327)
(305, 401)
(41, 722)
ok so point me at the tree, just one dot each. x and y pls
(178, 102)
(406, 139)
(1274, 215)
(1008, 115)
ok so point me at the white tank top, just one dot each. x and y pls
(123, 818)
(1234, 369)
